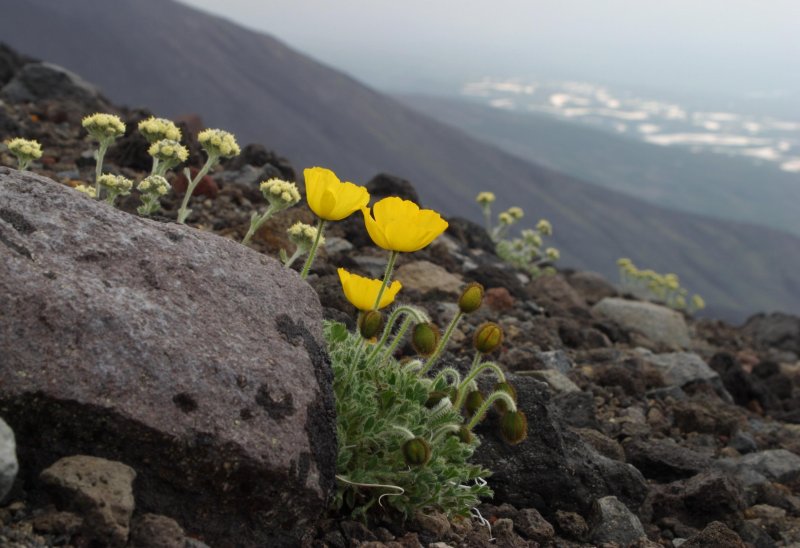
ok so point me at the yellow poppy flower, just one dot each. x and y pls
(330, 198)
(400, 225)
(362, 292)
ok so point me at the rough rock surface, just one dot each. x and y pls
(424, 276)
(36, 81)
(98, 489)
(663, 326)
(567, 472)
(612, 521)
(187, 356)
(8, 459)
(775, 330)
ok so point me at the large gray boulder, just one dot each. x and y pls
(662, 326)
(195, 360)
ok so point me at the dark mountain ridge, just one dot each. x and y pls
(177, 60)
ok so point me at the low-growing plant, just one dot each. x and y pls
(105, 129)
(115, 185)
(649, 284)
(303, 237)
(279, 195)
(166, 153)
(25, 150)
(525, 252)
(151, 189)
(217, 144)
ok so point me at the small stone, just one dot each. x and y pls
(613, 522)
(556, 380)
(602, 444)
(424, 276)
(716, 534)
(434, 523)
(532, 525)
(57, 523)
(98, 489)
(156, 531)
(664, 327)
(8, 459)
(556, 359)
(503, 531)
(572, 525)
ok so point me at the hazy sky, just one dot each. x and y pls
(713, 45)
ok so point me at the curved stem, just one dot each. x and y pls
(397, 339)
(473, 374)
(257, 222)
(183, 212)
(154, 170)
(387, 275)
(442, 343)
(313, 251)
(387, 329)
(446, 429)
(481, 412)
(448, 372)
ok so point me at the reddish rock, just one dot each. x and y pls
(498, 299)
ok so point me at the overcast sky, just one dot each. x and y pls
(714, 45)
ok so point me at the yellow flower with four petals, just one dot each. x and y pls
(362, 292)
(400, 225)
(331, 199)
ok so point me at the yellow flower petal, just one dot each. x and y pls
(330, 198)
(362, 292)
(400, 225)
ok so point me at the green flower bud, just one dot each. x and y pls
(514, 427)
(465, 435)
(473, 401)
(416, 452)
(501, 405)
(370, 323)
(471, 298)
(488, 337)
(425, 338)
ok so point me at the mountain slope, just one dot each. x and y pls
(175, 60)
(704, 183)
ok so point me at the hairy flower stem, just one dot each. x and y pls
(257, 222)
(183, 212)
(444, 430)
(154, 170)
(387, 329)
(397, 339)
(290, 260)
(487, 215)
(98, 169)
(473, 374)
(447, 372)
(387, 276)
(481, 412)
(313, 251)
(442, 343)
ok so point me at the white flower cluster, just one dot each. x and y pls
(116, 183)
(153, 184)
(104, 127)
(279, 193)
(303, 235)
(219, 143)
(155, 129)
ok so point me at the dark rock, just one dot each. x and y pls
(503, 531)
(567, 472)
(716, 534)
(41, 81)
(494, 276)
(742, 387)
(612, 521)
(577, 409)
(206, 187)
(8, 459)
(685, 368)
(156, 531)
(593, 287)
(10, 63)
(707, 416)
(743, 442)
(602, 443)
(710, 495)
(384, 185)
(357, 531)
(774, 464)
(776, 330)
(555, 295)
(556, 359)
(99, 490)
(159, 336)
(664, 460)
(751, 533)
(469, 234)
(257, 155)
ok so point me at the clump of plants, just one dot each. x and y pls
(405, 427)
(526, 252)
(649, 284)
(24, 150)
